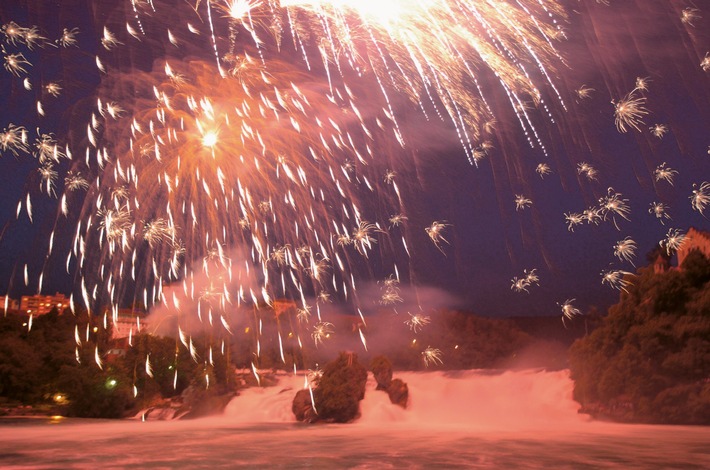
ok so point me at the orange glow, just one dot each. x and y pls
(210, 138)
(387, 12)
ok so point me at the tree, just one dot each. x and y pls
(95, 393)
(340, 389)
(381, 368)
(171, 367)
(696, 267)
(20, 370)
(649, 361)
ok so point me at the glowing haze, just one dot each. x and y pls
(277, 158)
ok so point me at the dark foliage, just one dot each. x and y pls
(95, 393)
(31, 357)
(381, 368)
(398, 392)
(302, 407)
(649, 361)
(165, 358)
(472, 342)
(340, 389)
(39, 367)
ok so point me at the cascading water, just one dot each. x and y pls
(474, 399)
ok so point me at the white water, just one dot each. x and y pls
(467, 419)
(474, 400)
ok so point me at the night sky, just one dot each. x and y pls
(607, 48)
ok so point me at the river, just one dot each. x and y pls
(466, 419)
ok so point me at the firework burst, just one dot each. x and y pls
(188, 171)
(630, 111)
(660, 210)
(569, 311)
(616, 279)
(673, 241)
(700, 198)
(433, 52)
(274, 176)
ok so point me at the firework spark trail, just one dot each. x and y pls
(388, 43)
(417, 321)
(256, 173)
(521, 284)
(437, 48)
(203, 164)
(663, 172)
(629, 111)
(625, 250)
(617, 279)
(700, 198)
(431, 356)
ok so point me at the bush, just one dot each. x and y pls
(381, 368)
(93, 393)
(340, 389)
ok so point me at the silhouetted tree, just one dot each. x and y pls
(340, 389)
(649, 361)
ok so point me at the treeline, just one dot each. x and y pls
(464, 341)
(649, 361)
(461, 339)
(52, 365)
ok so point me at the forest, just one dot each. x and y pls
(649, 360)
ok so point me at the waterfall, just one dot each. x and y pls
(528, 399)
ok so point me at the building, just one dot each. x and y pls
(127, 322)
(40, 304)
(662, 263)
(7, 304)
(694, 240)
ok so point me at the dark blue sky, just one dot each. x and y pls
(608, 47)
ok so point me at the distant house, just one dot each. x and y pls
(8, 304)
(661, 264)
(40, 304)
(694, 240)
(127, 322)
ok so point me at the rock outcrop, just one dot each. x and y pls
(381, 369)
(398, 392)
(337, 392)
(302, 407)
(396, 389)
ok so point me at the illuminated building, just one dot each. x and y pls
(128, 322)
(7, 304)
(694, 240)
(41, 304)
